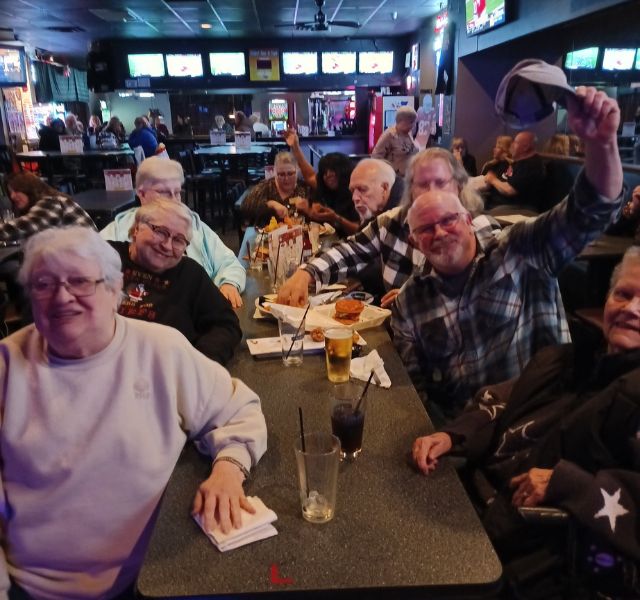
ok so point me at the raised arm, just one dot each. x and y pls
(308, 172)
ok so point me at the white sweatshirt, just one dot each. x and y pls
(88, 446)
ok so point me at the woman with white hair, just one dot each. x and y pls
(274, 197)
(164, 286)
(157, 178)
(96, 409)
(396, 144)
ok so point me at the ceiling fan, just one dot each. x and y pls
(320, 22)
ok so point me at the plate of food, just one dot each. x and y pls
(353, 313)
(263, 306)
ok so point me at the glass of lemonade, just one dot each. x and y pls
(337, 345)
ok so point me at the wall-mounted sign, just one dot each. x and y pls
(264, 65)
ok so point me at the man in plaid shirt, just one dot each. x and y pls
(386, 238)
(488, 302)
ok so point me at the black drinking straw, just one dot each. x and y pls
(301, 253)
(366, 387)
(248, 251)
(295, 337)
(304, 451)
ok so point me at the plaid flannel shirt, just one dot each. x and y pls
(50, 211)
(385, 238)
(509, 307)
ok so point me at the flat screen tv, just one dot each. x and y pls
(146, 65)
(227, 63)
(482, 15)
(300, 63)
(375, 62)
(184, 65)
(338, 62)
(13, 67)
(618, 59)
(638, 58)
(587, 58)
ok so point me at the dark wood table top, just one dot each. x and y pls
(103, 200)
(395, 532)
(606, 246)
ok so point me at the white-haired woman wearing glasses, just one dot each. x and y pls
(95, 411)
(163, 285)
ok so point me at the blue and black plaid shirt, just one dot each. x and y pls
(508, 308)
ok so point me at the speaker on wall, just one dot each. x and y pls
(99, 72)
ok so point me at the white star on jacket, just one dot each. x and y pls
(612, 508)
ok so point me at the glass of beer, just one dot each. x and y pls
(337, 346)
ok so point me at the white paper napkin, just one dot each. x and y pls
(361, 369)
(254, 527)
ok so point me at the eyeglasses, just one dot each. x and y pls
(45, 287)
(448, 223)
(436, 184)
(167, 193)
(284, 174)
(178, 242)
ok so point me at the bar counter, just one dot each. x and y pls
(395, 534)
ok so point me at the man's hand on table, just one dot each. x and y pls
(530, 487)
(428, 448)
(295, 291)
(220, 498)
(230, 292)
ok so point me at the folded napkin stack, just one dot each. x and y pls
(254, 527)
(361, 369)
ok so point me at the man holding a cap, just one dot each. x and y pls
(485, 303)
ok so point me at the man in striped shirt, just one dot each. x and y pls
(488, 302)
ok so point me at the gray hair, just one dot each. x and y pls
(632, 255)
(384, 171)
(470, 198)
(163, 206)
(156, 169)
(53, 246)
(285, 158)
(406, 113)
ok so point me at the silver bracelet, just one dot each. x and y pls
(233, 461)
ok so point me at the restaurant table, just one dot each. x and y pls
(395, 533)
(102, 206)
(227, 150)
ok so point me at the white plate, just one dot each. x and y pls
(263, 311)
(270, 347)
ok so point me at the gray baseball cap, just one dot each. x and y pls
(529, 93)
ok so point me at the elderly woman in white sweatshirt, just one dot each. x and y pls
(95, 411)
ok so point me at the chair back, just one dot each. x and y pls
(138, 154)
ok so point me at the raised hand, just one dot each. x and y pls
(593, 116)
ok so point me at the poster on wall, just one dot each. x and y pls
(264, 65)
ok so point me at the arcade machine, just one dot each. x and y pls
(278, 115)
(318, 114)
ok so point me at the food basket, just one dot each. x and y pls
(371, 316)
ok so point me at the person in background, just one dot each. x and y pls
(331, 200)
(501, 156)
(461, 153)
(275, 197)
(96, 411)
(183, 127)
(112, 135)
(38, 206)
(564, 433)
(162, 285)
(222, 125)
(629, 222)
(95, 125)
(488, 301)
(158, 125)
(73, 126)
(386, 238)
(521, 184)
(50, 136)
(558, 176)
(396, 144)
(158, 177)
(243, 123)
(143, 136)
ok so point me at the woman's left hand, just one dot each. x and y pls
(220, 498)
(230, 292)
(531, 487)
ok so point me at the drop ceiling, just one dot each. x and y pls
(67, 27)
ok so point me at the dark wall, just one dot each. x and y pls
(115, 53)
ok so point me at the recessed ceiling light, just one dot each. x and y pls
(205, 25)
